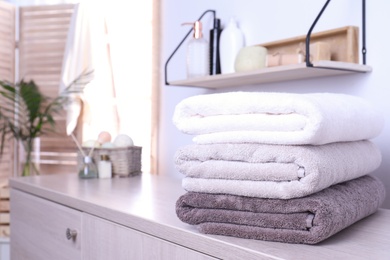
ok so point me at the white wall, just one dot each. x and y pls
(264, 21)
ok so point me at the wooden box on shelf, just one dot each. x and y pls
(343, 42)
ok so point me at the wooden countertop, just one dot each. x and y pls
(147, 203)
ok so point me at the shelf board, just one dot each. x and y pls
(275, 74)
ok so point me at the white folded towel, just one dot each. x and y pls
(277, 118)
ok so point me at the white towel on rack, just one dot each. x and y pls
(86, 50)
(277, 118)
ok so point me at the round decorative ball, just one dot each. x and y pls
(104, 137)
(123, 140)
(108, 145)
(91, 143)
(250, 58)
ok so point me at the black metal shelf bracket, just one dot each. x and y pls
(182, 41)
(364, 49)
(308, 63)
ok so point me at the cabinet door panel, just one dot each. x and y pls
(39, 229)
(104, 240)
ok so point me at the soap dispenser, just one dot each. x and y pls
(197, 53)
(215, 33)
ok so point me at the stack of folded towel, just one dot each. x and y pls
(278, 166)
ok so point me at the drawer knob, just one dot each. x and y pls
(71, 234)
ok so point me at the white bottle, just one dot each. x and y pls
(104, 167)
(197, 53)
(230, 43)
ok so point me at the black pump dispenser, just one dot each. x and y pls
(215, 65)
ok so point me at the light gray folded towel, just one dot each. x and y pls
(277, 118)
(328, 163)
(274, 171)
(307, 220)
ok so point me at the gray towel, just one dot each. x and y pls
(306, 220)
(274, 171)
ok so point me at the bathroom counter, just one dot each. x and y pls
(109, 213)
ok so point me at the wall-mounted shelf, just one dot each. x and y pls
(275, 74)
(346, 62)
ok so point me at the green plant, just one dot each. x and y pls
(25, 113)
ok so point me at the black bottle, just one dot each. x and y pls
(215, 33)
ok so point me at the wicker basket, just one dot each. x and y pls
(126, 161)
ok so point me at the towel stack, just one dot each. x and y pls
(277, 166)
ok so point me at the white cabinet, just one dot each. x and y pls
(39, 229)
(104, 240)
(134, 218)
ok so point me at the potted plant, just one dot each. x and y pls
(26, 113)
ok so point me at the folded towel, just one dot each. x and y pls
(307, 220)
(305, 168)
(277, 118)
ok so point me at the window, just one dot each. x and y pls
(132, 40)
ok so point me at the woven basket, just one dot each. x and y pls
(126, 161)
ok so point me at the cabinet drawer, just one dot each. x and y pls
(39, 229)
(104, 240)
